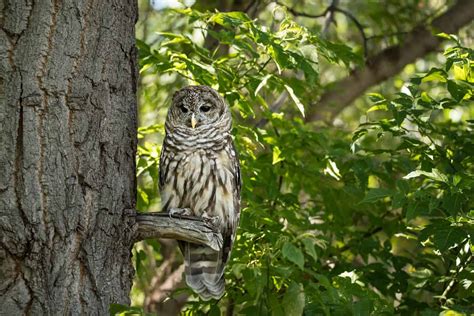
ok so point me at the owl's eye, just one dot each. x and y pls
(183, 109)
(204, 108)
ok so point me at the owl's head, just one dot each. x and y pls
(198, 107)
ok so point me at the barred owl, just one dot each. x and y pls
(200, 174)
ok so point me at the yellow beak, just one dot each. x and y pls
(193, 121)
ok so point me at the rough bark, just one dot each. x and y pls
(185, 228)
(390, 61)
(67, 160)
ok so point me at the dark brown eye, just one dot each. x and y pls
(204, 108)
(183, 109)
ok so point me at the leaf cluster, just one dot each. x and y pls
(368, 222)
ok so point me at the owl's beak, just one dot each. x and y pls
(193, 121)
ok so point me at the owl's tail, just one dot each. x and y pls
(204, 270)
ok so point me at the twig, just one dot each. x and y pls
(357, 24)
(298, 13)
(230, 307)
(331, 9)
(371, 37)
(187, 228)
(330, 18)
(451, 284)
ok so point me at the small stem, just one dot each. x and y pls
(456, 273)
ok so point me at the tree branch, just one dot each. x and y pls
(187, 228)
(359, 26)
(329, 14)
(419, 42)
(330, 17)
(303, 14)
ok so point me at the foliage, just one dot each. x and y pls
(336, 222)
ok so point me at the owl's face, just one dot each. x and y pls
(196, 107)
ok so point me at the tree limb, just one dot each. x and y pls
(330, 17)
(419, 42)
(187, 228)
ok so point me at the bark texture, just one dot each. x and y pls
(67, 161)
(186, 228)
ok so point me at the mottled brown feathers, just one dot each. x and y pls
(199, 170)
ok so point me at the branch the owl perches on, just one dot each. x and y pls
(186, 228)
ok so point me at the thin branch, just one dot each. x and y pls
(186, 228)
(366, 235)
(230, 307)
(393, 34)
(357, 24)
(452, 283)
(419, 42)
(298, 13)
(161, 300)
(329, 12)
(249, 6)
(330, 17)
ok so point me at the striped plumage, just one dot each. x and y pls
(199, 171)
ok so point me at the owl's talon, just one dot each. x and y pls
(178, 212)
(213, 220)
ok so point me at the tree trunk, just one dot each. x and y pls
(68, 78)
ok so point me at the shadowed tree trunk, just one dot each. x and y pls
(67, 155)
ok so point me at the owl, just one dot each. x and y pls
(200, 176)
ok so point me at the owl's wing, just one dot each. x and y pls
(161, 179)
(164, 161)
(236, 194)
(229, 234)
(237, 179)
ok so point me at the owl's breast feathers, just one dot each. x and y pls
(204, 179)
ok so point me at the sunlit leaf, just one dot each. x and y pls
(293, 254)
(373, 195)
(295, 99)
(294, 300)
(262, 83)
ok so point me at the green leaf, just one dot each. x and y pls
(262, 83)
(294, 300)
(435, 174)
(332, 170)
(117, 309)
(276, 305)
(142, 201)
(379, 107)
(443, 234)
(373, 195)
(461, 73)
(362, 308)
(448, 236)
(214, 310)
(280, 56)
(276, 155)
(293, 254)
(457, 91)
(309, 247)
(435, 74)
(453, 203)
(295, 99)
(376, 97)
(414, 209)
(229, 19)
